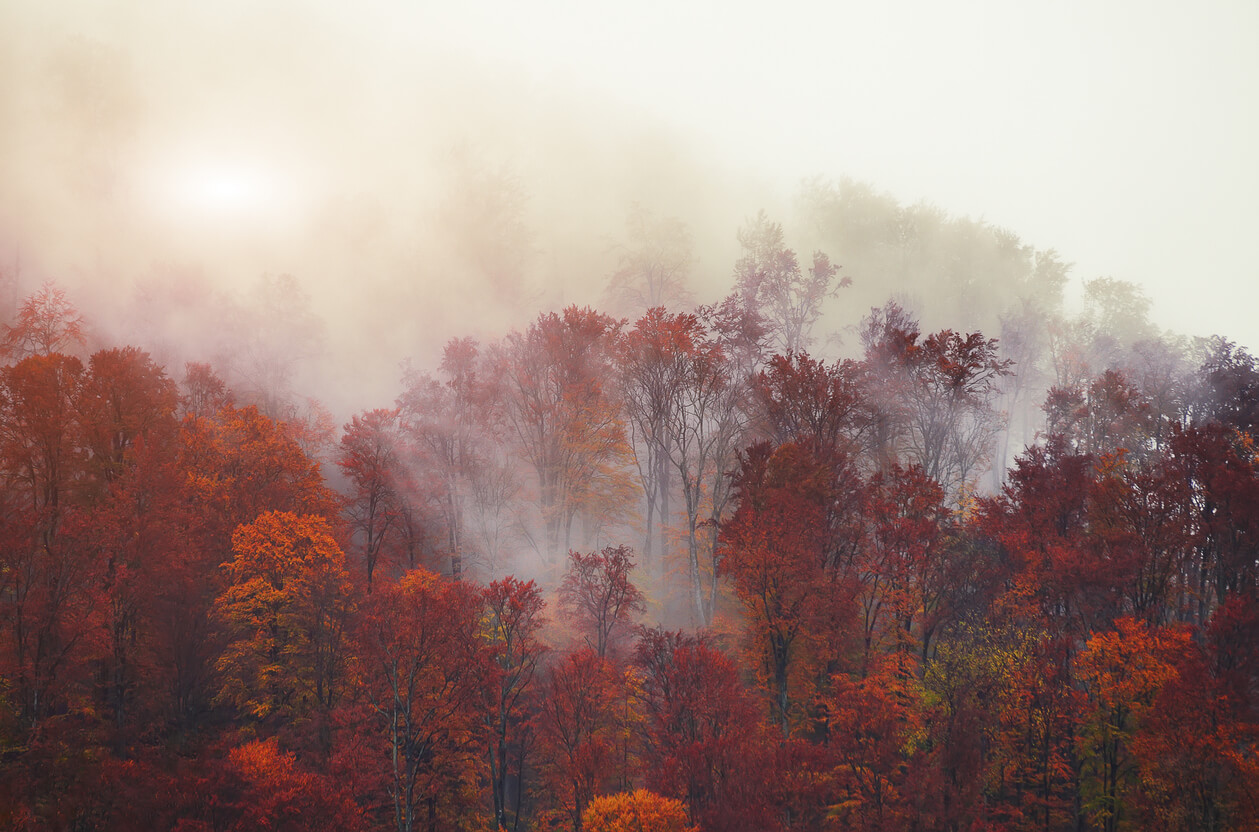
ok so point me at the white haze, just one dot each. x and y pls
(219, 142)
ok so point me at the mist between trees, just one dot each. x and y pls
(962, 558)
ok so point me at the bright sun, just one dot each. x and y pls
(205, 188)
(225, 190)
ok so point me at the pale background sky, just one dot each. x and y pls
(1123, 134)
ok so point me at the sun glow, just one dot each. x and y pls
(223, 191)
(226, 189)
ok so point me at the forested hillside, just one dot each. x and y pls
(995, 569)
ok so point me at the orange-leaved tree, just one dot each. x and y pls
(873, 721)
(240, 463)
(256, 786)
(286, 606)
(232, 465)
(636, 811)
(1123, 672)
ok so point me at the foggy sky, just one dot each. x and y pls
(333, 141)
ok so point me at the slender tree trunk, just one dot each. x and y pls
(692, 568)
(456, 555)
(520, 791)
(714, 534)
(665, 517)
(780, 682)
(648, 559)
(398, 812)
(498, 776)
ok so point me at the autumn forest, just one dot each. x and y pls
(807, 555)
